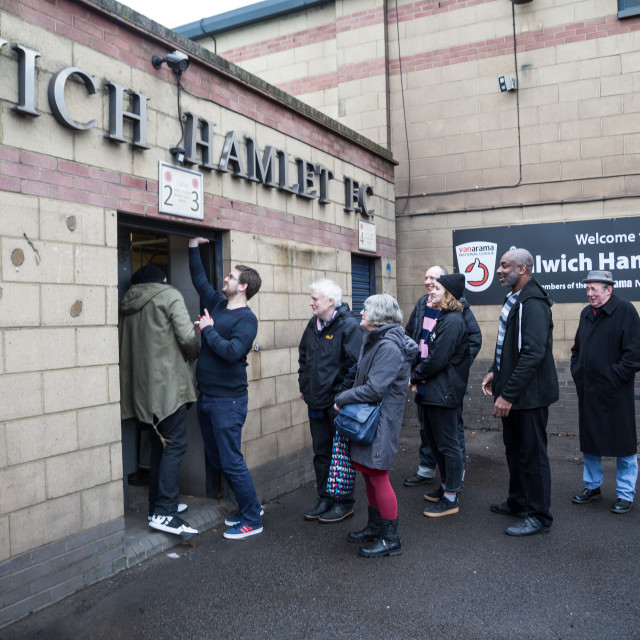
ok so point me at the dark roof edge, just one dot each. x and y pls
(245, 16)
(170, 39)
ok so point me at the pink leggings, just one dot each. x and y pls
(380, 494)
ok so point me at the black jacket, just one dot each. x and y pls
(446, 369)
(604, 359)
(414, 325)
(326, 358)
(527, 376)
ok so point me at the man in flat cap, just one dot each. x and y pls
(604, 360)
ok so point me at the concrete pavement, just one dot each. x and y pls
(458, 576)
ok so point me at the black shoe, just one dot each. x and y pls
(388, 544)
(504, 509)
(337, 513)
(416, 481)
(527, 527)
(435, 495)
(621, 506)
(371, 532)
(587, 496)
(322, 506)
(443, 507)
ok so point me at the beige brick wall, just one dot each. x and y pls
(57, 419)
(577, 108)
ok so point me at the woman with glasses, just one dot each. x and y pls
(383, 368)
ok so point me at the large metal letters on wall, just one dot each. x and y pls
(563, 254)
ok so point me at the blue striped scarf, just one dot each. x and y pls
(502, 326)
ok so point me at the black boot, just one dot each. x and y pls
(371, 531)
(388, 544)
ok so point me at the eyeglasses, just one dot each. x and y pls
(364, 308)
(232, 277)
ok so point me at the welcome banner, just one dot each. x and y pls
(563, 254)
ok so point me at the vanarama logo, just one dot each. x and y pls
(477, 261)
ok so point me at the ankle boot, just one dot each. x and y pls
(388, 544)
(371, 530)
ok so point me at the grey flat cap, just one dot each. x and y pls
(600, 276)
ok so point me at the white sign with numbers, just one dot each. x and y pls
(366, 236)
(180, 191)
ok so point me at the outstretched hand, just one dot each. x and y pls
(196, 242)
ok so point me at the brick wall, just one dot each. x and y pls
(61, 500)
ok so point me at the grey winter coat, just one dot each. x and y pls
(385, 359)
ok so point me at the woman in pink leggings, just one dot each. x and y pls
(383, 368)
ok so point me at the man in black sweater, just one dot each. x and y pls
(228, 329)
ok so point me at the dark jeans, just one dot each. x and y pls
(322, 432)
(524, 433)
(165, 463)
(442, 430)
(427, 457)
(221, 421)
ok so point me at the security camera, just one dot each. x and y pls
(176, 61)
(507, 83)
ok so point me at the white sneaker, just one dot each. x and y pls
(172, 524)
(181, 509)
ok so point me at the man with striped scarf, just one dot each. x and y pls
(524, 382)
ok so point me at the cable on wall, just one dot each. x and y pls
(411, 196)
(404, 111)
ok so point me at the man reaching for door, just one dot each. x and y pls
(228, 328)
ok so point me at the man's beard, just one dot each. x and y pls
(510, 279)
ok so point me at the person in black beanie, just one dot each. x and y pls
(158, 342)
(444, 374)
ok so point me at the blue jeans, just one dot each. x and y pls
(221, 421)
(626, 475)
(165, 463)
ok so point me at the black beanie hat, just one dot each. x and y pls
(453, 283)
(148, 273)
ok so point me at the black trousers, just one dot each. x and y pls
(322, 432)
(524, 433)
(165, 463)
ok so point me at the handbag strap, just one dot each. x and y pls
(385, 395)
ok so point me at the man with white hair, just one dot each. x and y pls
(328, 351)
(604, 360)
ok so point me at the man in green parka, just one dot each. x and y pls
(157, 345)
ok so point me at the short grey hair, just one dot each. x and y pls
(523, 257)
(382, 309)
(329, 290)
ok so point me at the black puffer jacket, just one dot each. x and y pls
(527, 376)
(326, 358)
(446, 369)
